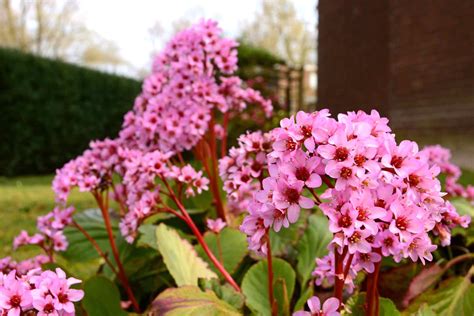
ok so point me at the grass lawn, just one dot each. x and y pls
(22, 200)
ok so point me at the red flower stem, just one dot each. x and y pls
(189, 221)
(327, 181)
(113, 246)
(318, 200)
(225, 125)
(213, 184)
(213, 148)
(96, 246)
(372, 292)
(348, 266)
(271, 299)
(339, 279)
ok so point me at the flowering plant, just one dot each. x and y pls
(338, 199)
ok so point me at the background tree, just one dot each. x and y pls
(277, 28)
(53, 29)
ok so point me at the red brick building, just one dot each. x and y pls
(412, 60)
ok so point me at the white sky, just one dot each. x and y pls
(126, 22)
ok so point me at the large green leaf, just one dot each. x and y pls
(255, 286)
(190, 301)
(180, 258)
(285, 241)
(101, 298)
(80, 248)
(463, 206)
(229, 247)
(225, 292)
(453, 297)
(312, 245)
(356, 305)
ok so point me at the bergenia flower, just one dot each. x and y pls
(329, 308)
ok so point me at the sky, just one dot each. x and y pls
(127, 22)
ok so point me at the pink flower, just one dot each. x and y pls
(330, 307)
(45, 306)
(288, 196)
(14, 295)
(216, 225)
(302, 168)
(366, 261)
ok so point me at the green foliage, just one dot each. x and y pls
(312, 245)
(250, 55)
(225, 292)
(101, 298)
(255, 286)
(453, 297)
(180, 258)
(229, 246)
(80, 248)
(285, 241)
(51, 110)
(356, 305)
(190, 300)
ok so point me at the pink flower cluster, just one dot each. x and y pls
(142, 190)
(189, 89)
(383, 198)
(7, 264)
(40, 292)
(50, 226)
(441, 157)
(190, 78)
(242, 168)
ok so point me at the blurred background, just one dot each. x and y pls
(70, 69)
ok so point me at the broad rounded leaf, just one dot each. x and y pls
(180, 258)
(102, 298)
(255, 286)
(356, 305)
(427, 277)
(285, 241)
(80, 248)
(312, 245)
(453, 297)
(190, 301)
(229, 247)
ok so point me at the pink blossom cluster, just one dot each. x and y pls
(39, 292)
(190, 88)
(50, 236)
(243, 167)
(191, 77)
(90, 171)
(7, 264)
(383, 198)
(143, 195)
(441, 157)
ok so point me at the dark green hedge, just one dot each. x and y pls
(50, 110)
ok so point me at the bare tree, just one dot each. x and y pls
(278, 29)
(54, 29)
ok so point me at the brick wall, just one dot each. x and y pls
(412, 60)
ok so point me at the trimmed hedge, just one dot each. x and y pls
(50, 110)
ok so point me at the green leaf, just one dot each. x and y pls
(255, 286)
(80, 248)
(355, 304)
(180, 258)
(454, 297)
(190, 301)
(308, 292)
(312, 245)
(285, 240)
(225, 292)
(229, 247)
(148, 236)
(463, 206)
(101, 298)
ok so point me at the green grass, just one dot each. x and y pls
(22, 200)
